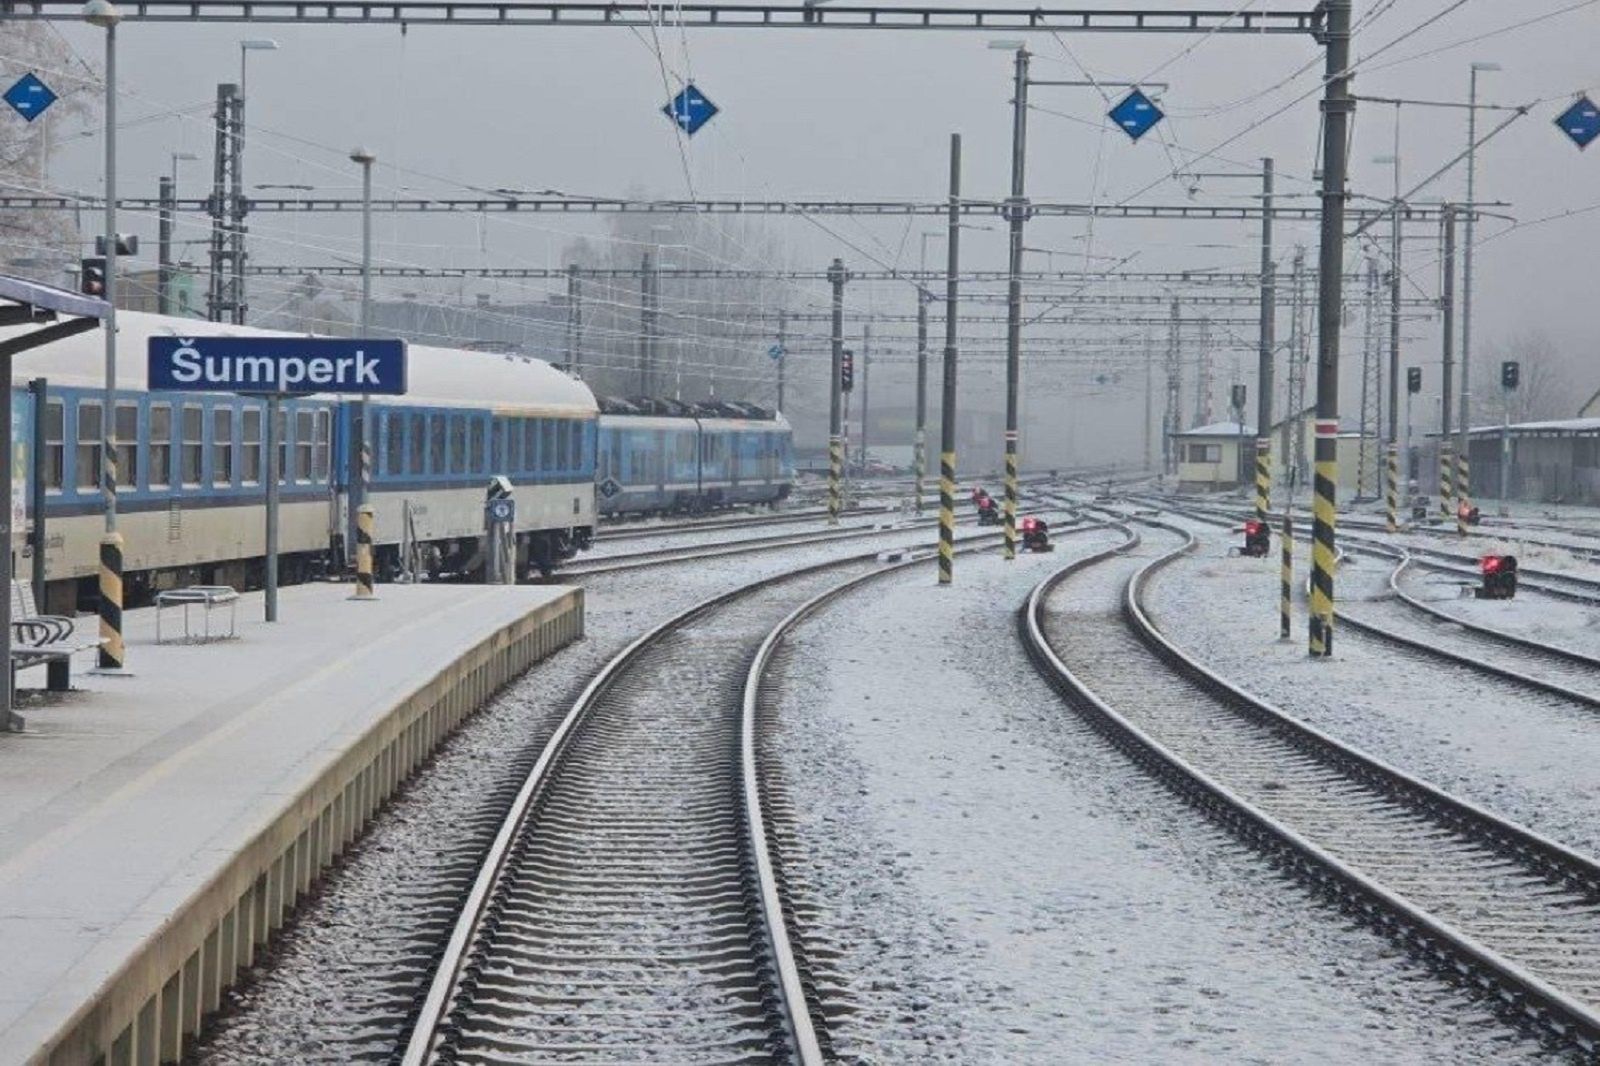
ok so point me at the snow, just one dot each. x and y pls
(1005, 887)
(1529, 757)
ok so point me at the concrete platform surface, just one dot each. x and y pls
(121, 801)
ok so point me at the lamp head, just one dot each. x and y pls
(1483, 66)
(362, 156)
(102, 13)
(258, 44)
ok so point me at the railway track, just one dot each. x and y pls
(1511, 914)
(631, 906)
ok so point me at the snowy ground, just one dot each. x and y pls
(336, 985)
(1005, 887)
(1529, 757)
(1563, 623)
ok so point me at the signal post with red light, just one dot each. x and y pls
(1036, 535)
(1257, 539)
(1499, 577)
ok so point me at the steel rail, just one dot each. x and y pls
(1460, 953)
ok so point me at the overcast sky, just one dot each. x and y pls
(819, 114)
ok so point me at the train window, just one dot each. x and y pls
(324, 420)
(513, 457)
(497, 446)
(160, 445)
(530, 444)
(193, 442)
(283, 445)
(221, 445)
(250, 445)
(563, 448)
(436, 444)
(394, 443)
(475, 444)
(302, 445)
(55, 448)
(547, 444)
(88, 445)
(418, 428)
(458, 444)
(127, 429)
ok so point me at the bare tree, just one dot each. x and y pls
(39, 244)
(1548, 388)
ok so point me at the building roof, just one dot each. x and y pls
(1556, 427)
(1219, 429)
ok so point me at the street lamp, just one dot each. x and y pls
(1463, 468)
(1396, 462)
(1016, 211)
(259, 44)
(104, 14)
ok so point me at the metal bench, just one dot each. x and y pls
(208, 597)
(49, 640)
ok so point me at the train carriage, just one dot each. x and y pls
(191, 495)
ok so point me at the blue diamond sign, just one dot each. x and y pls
(610, 487)
(29, 97)
(1581, 122)
(690, 109)
(775, 352)
(1137, 114)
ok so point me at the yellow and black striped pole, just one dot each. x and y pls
(835, 474)
(947, 517)
(113, 654)
(1286, 576)
(365, 521)
(1325, 480)
(1011, 494)
(1263, 478)
(1392, 493)
(1447, 491)
(836, 277)
(1463, 492)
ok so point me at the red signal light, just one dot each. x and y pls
(1029, 524)
(1492, 564)
(1251, 528)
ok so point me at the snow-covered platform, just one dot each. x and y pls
(155, 828)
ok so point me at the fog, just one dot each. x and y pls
(859, 115)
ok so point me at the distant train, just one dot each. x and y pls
(191, 466)
(661, 456)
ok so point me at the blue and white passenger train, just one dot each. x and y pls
(191, 496)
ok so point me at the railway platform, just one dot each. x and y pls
(155, 829)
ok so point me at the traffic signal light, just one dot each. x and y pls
(1499, 577)
(1414, 379)
(1257, 539)
(92, 276)
(847, 370)
(1510, 375)
(1238, 397)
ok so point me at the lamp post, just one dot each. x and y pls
(164, 219)
(1016, 211)
(104, 14)
(1392, 504)
(363, 457)
(1463, 469)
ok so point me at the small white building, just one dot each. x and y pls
(1209, 457)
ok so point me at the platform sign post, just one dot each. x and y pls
(274, 368)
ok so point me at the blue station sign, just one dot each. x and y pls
(295, 366)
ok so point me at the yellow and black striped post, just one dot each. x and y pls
(1011, 494)
(1463, 492)
(365, 521)
(1286, 577)
(947, 516)
(1447, 490)
(1263, 478)
(1391, 496)
(113, 654)
(1325, 481)
(835, 474)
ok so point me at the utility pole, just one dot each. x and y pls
(1174, 413)
(166, 193)
(1463, 452)
(947, 413)
(1149, 402)
(574, 321)
(1293, 435)
(1337, 108)
(1392, 505)
(1447, 307)
(1268, 341)
(1204, 382)
(783, 352)
(646, 324)
(919, 447)
(836, 278)
(1016, 215)
(222, 296)
(1371, 382)
(866, 393)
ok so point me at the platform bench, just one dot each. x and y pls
(44, 639)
